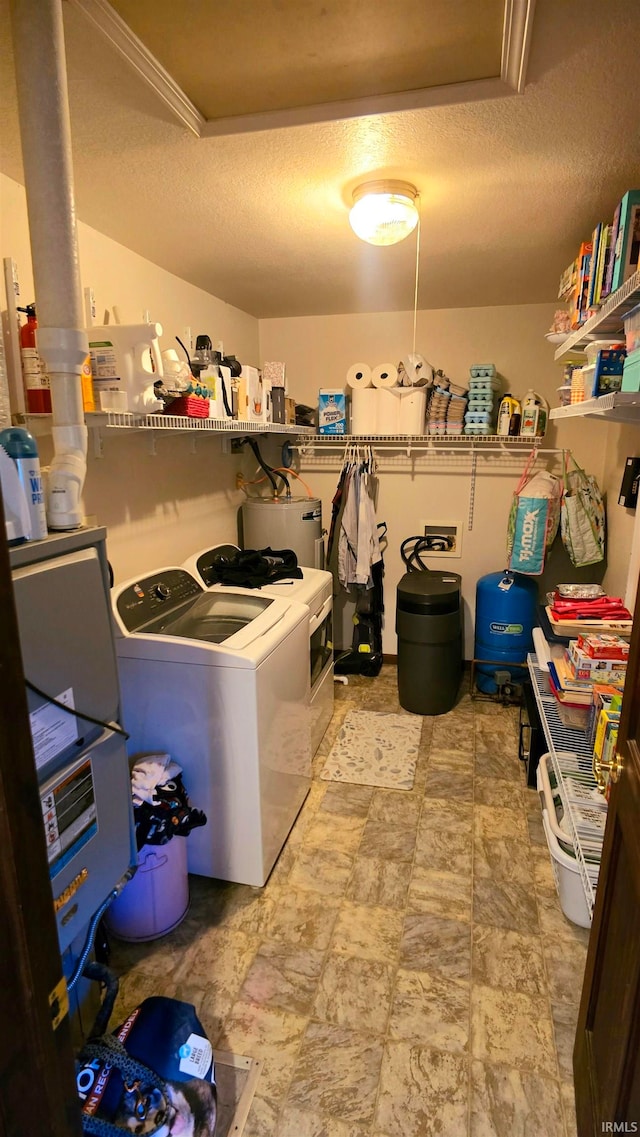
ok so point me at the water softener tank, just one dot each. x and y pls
(285, 523)
(505, 617)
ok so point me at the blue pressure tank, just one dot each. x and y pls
(505, 618)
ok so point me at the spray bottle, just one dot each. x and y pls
(21, 447)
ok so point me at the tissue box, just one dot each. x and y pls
(332, 412)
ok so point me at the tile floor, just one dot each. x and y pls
(407, 970)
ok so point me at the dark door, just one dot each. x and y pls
(607, 1049)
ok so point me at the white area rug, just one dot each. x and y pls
(375, 749)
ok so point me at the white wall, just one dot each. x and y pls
(160, 508)
(318, 352)
(622, 442)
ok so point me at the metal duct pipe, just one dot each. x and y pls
(41, 78)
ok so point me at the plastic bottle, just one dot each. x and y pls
(34, 374)
(508, 408)
(535, 411)
(21, 447)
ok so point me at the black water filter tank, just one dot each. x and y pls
(429, 627)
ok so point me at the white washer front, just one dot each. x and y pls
(315, 589)
(232, 709)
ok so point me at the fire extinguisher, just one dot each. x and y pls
(34, 375)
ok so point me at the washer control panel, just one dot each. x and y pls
(143, 601)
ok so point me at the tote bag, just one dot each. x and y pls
(533, 519)
(582, 519)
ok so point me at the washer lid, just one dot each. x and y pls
(429, 593)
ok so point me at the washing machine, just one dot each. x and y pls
(316, 591)
(218, 680)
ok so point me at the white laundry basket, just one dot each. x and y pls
(568, 880)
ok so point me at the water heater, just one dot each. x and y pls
(285, 523)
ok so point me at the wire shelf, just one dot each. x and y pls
(572, 762)
(607, 320)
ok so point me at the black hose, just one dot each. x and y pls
(185, 351)
(109, 980)
(269, 471)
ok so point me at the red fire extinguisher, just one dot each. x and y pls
(34, 375)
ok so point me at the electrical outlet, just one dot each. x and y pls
(450, 531)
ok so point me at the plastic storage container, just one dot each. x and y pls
(506, 604)
(632, 328)
(156, 900)
(429, 627)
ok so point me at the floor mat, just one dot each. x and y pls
(375, 749)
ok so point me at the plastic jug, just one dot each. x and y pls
(126, 362)
(508, 416)
(535, 412)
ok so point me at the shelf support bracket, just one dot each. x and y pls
(98, 447)
(151, 443)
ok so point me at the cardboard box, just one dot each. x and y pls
(596, 670)
(332, 411)
(602, 646)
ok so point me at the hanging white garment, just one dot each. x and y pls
(368, 549)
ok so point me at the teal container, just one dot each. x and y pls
(21, 447)
(506, 607)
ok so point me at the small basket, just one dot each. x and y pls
(573, 715)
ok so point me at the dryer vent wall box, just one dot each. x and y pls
(445, 538)
(629, 488)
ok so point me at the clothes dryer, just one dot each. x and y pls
(316, 591)
(218, 680)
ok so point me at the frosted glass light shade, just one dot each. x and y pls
(384, 213)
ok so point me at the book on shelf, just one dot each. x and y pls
(627, 248)
(579, 300)
(595, 244)
(607, 267)
(568, 280)
(603, 254)
(608, 276)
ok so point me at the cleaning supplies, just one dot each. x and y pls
(16, 510)
(509, 416)
(21, 447)
(535, 411)
(126, 362)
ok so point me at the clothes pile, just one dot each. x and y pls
(253, 568)
(161, 808)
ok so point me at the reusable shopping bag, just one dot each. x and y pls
(582, 516)
(533, 519)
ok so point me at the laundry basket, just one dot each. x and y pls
(568, 880)
(156, 900)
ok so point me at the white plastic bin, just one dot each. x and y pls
(156, 900)
(568, 880)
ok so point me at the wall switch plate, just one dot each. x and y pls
(450, 531)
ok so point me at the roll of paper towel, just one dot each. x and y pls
(412, 409)
(364, 410)
(386, 375)
(359, 376)
(389, 411)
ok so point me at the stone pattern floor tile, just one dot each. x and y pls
(407, 970)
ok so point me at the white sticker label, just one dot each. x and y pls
(52, 729)
(195, 1056)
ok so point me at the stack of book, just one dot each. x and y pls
(603, 263)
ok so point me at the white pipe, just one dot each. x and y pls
(45, 131)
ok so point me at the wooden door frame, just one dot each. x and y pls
(629, 750)
(36, 1062)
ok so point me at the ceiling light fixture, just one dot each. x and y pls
(384, 212)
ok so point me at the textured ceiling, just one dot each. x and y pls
(259, 55)
(509, 186)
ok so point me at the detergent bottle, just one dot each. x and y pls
(535, 411)
(126, 362)
(508, 416)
